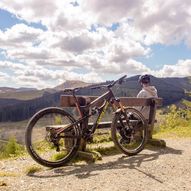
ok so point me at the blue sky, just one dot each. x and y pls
(9, 19)
(42, 45)
(166, 55)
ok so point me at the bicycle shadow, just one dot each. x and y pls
(82, 171)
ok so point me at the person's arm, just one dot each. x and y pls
(142, 94)
(143, 109)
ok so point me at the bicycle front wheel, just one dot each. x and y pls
(129, 132)
(43, 142)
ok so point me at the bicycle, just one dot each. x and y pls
(53, 136)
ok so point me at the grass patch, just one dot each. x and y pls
(58, 156)
(32, 169)
(177, 132)
(112, 150)
(104, 148)
(176, 123)
(102, 138)
(11, 149)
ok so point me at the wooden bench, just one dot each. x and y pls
(153, 103)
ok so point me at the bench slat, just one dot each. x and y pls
(68, 101)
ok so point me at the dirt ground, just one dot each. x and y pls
(159, 169)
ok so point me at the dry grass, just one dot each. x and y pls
(8, 174)
(32, 169)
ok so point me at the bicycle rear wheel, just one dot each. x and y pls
(42, 142)
(129, 135)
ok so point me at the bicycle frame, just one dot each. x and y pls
(107, 98)
(83, 111)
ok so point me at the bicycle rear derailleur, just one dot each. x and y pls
(51, 137)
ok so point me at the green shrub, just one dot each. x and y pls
(11, 149)
(176, 117)
(175, 122)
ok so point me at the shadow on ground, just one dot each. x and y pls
(134, 162)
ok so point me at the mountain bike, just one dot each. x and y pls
(53, 136)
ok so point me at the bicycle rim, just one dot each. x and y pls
(129, 137)
(41, 142)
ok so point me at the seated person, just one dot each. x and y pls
(147, 91)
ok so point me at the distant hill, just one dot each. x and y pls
(32, 93)
(172, 90)
(71, 84)
(6, 89)
(9, 90)
(21, 95)
(184, 83)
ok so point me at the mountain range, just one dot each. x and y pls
(32, 93)
(22, 103)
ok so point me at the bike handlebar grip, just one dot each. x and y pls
(121, 79)
(68, 90)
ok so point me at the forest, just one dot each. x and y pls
(172, 90)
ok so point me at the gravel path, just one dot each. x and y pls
(153, 169)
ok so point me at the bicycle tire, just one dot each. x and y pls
(36, 128)
(117, 139)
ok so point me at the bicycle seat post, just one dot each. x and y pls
(77, 103)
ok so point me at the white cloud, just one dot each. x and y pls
(75, 44)
(48, 78)
(57, 15)
(32, 75)
(181, 69)
(31, 10)
(3, 77)
(19, 36)
(121, 50)
(78, 43)
(11, 65)
(111, 11)
(157, 21)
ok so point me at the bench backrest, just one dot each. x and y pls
(68, 101)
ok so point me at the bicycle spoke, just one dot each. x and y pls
(45, 144)
(129, 135)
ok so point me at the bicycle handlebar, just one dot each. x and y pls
(67, 90)
(120, 80)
